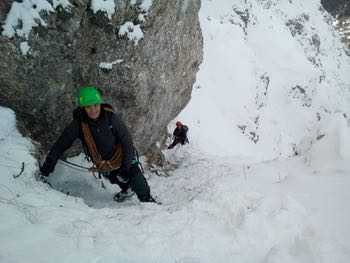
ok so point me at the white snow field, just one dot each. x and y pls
(266, 175)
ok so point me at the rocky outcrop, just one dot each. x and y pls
(337, 7)
(148, 80)
(4, 8)
(343, 27)
(340, 9)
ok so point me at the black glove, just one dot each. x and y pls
(123, 174)
(123, 178)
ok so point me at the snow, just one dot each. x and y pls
(257, 70)
(213, 209)
(64, 3)
(25, 48)
(141, 18)
(109, 65)
(107, 6)
(282, 198)
(334, 147)
(145, 5)
(133, 32)
(23, 16)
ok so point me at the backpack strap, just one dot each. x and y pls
(90, 148)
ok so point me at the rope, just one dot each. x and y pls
(73, 164)
(101, 165)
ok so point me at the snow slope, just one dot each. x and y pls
(245, 190)
(273, 71)
(214, 210)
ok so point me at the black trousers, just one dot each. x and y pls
(178, 140)
(133, 178)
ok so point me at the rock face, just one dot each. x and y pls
(4, 8)
(148, 81)
(341, 10)
(337, 7)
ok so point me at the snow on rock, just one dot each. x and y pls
(109, 65)
(145, 5)
(141, 18)
(107, 6)
(64, 3)
(25, 48)
(132, 31)
(25, 15)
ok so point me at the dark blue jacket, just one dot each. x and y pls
(181, 132)
(107, 131)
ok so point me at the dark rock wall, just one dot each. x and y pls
(340, 9)
(149, 87)
(337, 7)
(4, 8)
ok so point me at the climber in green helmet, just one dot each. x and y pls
(90, 99)
(106, 141)
(89, 96)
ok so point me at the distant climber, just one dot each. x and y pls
(179, 135)
(106, 141)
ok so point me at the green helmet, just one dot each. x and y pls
(89, 96)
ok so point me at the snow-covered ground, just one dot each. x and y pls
(266, 175)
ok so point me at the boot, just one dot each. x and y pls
(149, 199)
(123, 195)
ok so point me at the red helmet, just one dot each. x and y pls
(178, 123)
